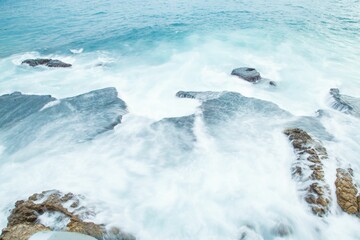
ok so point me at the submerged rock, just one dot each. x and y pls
(46, 62)
(66, 212)
(282, 230)
(344, 103)
(26, 117)
(308, 170)
(60, 236)
(218, 107)
(248, 74)
(217, 110)
(346, 191)
(248, 233)
(17, 106)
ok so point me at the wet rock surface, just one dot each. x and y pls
(246, 73)
(68, 213)
(346, 191)
(54, 63)
(78, 118)
(217, 108)
(221, 106)
(308, 170)
(17, 106)
(344, 103)
(22, 231)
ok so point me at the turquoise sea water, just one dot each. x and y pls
(238, 182)
(137, 26)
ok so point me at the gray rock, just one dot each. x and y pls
(272, 83)
(344, 103)
(17, 106)
(46, 62)
(221, 106)
(248, 74)
(28, 117)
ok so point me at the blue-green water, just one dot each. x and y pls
(239, 182)
(137, 26)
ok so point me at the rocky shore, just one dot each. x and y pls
(67, 211)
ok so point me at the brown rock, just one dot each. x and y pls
(310, 154)
(22, 231)
(23, 220)
(87, 228)
(346, 191)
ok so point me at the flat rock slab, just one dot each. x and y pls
(24, 118)
(46, 62)
(60, 236)
(246, 73)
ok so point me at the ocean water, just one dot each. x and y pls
(236, 178)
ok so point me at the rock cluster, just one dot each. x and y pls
(46, 62)
(346, 191)
(67, 213)
(308, 170)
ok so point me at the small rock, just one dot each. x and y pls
(46, 62)
(272, 83)
(248, 74)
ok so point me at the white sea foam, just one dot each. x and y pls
(239, 181)
(77, 51)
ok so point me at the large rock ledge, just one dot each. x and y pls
(53, 210)
(308, 170)
(346, 191)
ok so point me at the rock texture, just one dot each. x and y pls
(344, 103)
(46, 62)
(308, 170)
(217, 108)
(22, 231)
(67, 212)
(24, 118)
(346, 191)
(248, 74)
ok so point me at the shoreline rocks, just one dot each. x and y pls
(53, 63)
(67, 213)
(308, 170)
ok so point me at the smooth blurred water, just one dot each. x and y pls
(149, 50)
